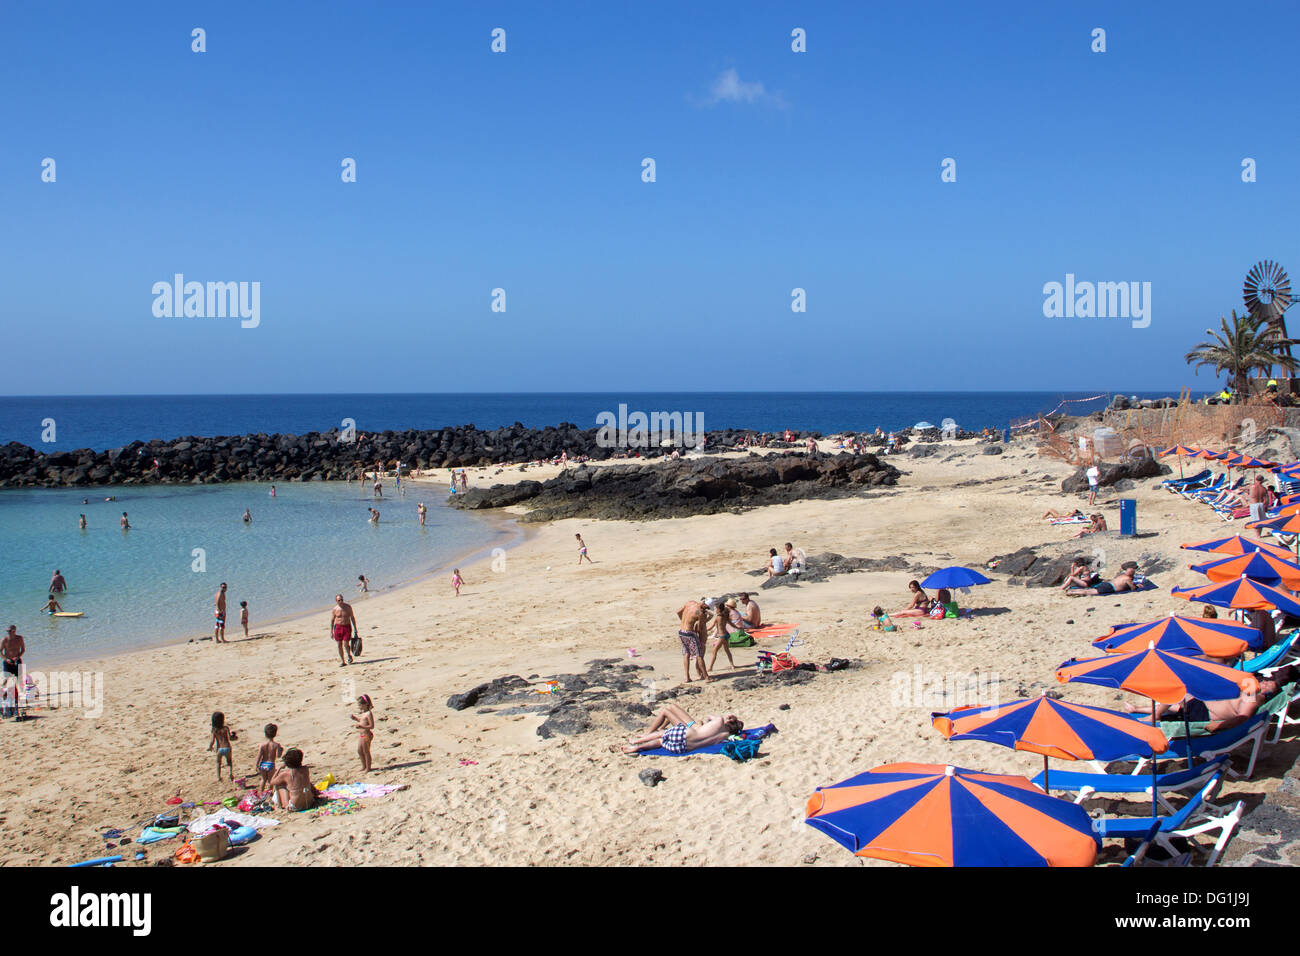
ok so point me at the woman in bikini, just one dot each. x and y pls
(366, 724)
(221, 740)
(292, 785)
(920, 605)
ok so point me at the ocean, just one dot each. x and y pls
(69, 422)
(155, 583)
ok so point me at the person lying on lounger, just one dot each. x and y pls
(1221, 714)
(675, 731)
(1081, 575)
(1098, 523)
(1121, 582)
(920, 605)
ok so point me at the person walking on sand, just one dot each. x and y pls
(1258, 499)
(221, 740)
(422, 511)
(1094, 477)
(219, 612)
(582, 551)
(12, 649)
(693, 616)
(243, 617)
(343, 627)
(366, 725)
(456, 580)
(267, 755)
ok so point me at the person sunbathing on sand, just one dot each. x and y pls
(920, 605)
(292, 784)
(1098, 523)
(1081, 576)
(675, 731)
(1121, 582)
(1053, 513)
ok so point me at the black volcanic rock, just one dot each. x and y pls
(681, 487)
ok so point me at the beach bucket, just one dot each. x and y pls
(212, 846)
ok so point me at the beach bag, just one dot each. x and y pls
(165, 821)
(783, 662)
(741, 750)
(185, 853)
(212, 846)
(937, 611)
(950, 609)
(355, 645)
(740, 639)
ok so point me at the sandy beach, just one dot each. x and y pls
(485, 789)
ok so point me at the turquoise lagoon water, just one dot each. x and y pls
(141, 587)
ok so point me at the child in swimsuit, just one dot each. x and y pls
(366, 724)
(267, 755)
(292, 785)
(51, 605)
(221, 740)
(456, 580)
(243, 616)
(582, 550)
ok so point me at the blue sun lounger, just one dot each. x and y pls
(1086, 785)
(1173, 484)
(1199, 816)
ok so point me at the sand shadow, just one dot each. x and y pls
(358, 661)
(403, 766)
(988, 611)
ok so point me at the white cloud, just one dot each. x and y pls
(728, 87)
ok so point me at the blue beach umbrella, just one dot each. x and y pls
(954, 577)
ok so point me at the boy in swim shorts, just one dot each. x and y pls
(267, 755)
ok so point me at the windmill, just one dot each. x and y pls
(1267, 294)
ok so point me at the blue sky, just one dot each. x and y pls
(522, 170)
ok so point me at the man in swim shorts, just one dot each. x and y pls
(694, 616)
(343, 625)
(219, 612)
(675, 731)
(57, 584)
(12, 649)
(1222, 714)
(1121, 582)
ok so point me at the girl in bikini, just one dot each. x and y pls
(366, 724)
(920, 605)
(221, 740)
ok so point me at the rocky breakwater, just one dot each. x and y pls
(315, 456)
(682, 487)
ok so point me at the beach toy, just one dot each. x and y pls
(175, 800)
(230, 802)
(325, 784)
(241, 835)
(98, 861)
(469, 763)
(548, 567)
(68, 613)
(631, 652)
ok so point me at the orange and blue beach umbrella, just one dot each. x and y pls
(1237, 544)
(932, 815)
(1054, 728)
(1259, 566)
(1161, 676)
(1242, 594)
(1182, 635)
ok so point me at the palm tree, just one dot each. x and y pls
(1240, 347)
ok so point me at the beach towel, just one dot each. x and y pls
(1077, 519)
(772, 630)
(334, 808)
(360, 791)
(230, 819)
(755, 733)
(153, 834)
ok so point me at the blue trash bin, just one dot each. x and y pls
(1128, 516)
(1006, 436)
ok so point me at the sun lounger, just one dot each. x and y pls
(1174, 483)
(1205, 745)
(1139, 856)
(1196, 487)
(1087, 785)
(1199, 816)
(1273, 657)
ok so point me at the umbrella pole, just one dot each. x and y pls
(1191, 761)
(1046, 789)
